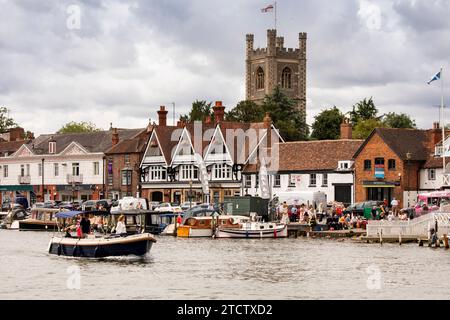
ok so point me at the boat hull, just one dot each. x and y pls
(189, 232)
(277, 232)
(137, 245)
(37, 225)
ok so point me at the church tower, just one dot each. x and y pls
(276, 65)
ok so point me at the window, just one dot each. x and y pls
(379, 161)
(188, 172)
(291, 181)
(126, 177)
(127, 159)
(325, 180)
(56, 169)
(5, 171)
(257, 181)
(431, 174)
(96, 168)
(28, 170)
(391, 164)
(248, 181)
(312, 180)
(277, 181)
(286, 78)
(110, 171)
(75, 169)
(40, 169)
(221, 172)
(367, 165)
(22, 170)
(155, 173)
(259, 79)
(52, 147)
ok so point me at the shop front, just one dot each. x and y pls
(380, 190)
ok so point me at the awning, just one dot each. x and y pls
(16, 188)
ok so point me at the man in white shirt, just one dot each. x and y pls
(394, 205)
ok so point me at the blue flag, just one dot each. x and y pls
(436, 77)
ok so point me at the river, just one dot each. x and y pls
(176, 268)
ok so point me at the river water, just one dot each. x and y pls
(176, 268)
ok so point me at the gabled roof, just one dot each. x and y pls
(135, 144)
(94, 142)
(320, 155)
(11, 147)
(402, 141)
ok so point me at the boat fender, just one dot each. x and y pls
(96, 251)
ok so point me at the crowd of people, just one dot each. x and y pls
(337, 217)
(86, 225)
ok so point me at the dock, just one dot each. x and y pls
(298, 229)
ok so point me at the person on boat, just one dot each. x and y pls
(85, 225)
(121, 227)
(67, 233)
(294, 214)
(179, 220)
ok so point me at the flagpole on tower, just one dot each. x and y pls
(443, 126)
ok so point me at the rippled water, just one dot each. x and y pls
(176, 268)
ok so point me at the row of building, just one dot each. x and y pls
(163, 163)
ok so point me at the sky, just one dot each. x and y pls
(118, 61)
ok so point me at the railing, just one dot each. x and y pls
(417, 227)
(24, 179)
(74, 179)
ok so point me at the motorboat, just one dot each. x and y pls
(205, 226)
(100, 245)
(42, 219)
(11, 218)
(252, 229)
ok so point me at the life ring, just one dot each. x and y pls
(191, 222)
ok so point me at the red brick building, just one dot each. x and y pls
(122, 171)
(388, 163)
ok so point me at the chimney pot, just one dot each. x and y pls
(162, 116)
(219, 112)
(115, 137)
(346, 129)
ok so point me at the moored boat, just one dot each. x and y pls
(194, 227)
(252, 229)
(99, 247)
(42, 219)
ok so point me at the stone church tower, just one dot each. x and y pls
(276, 65)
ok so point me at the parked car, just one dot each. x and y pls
(364, 208)
(187, 205)
(93, 205)
(152, 205)
(168, 207)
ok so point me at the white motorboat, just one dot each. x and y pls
(252, 229)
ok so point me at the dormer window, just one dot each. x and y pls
(345, 165)
(52, 147)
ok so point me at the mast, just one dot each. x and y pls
(275, 15)
(443, 128)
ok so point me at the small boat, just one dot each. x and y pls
(252, 229)
(203, 226)
(104, 246)
(134, 242)
(42, 219)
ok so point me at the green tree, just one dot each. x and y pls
(364, 127)
(285, 116)
(402, 120)
(199, 112)
(78, 127)
(363, 110)
(6, 122)
(327, 124)
(245, 111)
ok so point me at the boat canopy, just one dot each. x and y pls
(67, 214)
(132, 212)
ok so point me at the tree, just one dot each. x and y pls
(245, 111)
(363, 110)
(327, 124)
(199, 112)
(78, 127)
(6, 122)
(364, 127)
(285, 116)
(402, 120)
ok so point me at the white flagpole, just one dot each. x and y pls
(443, 128)
(275, 15)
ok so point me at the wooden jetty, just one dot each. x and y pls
(299, 229)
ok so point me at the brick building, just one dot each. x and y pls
(122, 171)
(388, 163)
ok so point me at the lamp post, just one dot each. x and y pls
(408, 158)
(42, 182)
(190, 193)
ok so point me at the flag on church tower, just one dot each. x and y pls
(269, 8)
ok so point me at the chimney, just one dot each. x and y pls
(219, 112)
(16, 134)
(115, 137)
(346, 129)
(162, 116)
(436, 133)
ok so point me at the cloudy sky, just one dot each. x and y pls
(121, 60)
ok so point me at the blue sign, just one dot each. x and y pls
(379, 171)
